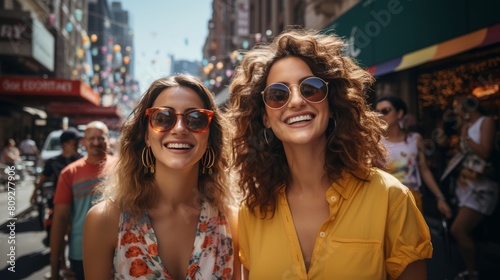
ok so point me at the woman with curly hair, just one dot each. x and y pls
(307, 150)
(166, 212)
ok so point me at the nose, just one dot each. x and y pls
(296, 99)
(179, 126)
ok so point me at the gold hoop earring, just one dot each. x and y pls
(148, 160)
(265, 136)
(208, 160)
(401, 124)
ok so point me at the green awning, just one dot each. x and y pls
(393, 35)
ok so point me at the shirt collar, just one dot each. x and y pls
(347, 184)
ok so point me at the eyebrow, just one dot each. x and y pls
(185, 110)
(288, 84)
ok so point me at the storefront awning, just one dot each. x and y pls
(111, 123)
(480, 38)
(78, 109)
(390, 35)
(82, 114)
(31, 90)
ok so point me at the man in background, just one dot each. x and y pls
(70, 140)
(74, 196)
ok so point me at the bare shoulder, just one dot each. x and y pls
(488, 121)
(104, 214)
(100, 238)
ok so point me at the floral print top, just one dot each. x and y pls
(136, 256)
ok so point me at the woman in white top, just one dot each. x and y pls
(407, 161)
(476, 191)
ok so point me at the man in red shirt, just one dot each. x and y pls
(74, 197)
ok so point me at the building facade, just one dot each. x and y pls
(47, 64)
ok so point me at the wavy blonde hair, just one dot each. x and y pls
(353, 134)
(130, 187)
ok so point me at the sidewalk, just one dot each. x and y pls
(18, 197)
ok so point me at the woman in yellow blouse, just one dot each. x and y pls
(307, 151)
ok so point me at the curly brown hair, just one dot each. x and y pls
(130, 187)
(353, 134)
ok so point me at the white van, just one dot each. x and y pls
(52, 146)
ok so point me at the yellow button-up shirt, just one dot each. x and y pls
(373, 232)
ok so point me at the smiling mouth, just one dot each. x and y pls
(179, 146)
(301, 118)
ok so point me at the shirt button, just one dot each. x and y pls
(333, 198)
(322, 234)
(333, 218)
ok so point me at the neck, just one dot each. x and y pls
(67, 154)
(180, 190)
(306, 163)
(394, 133)
(94, 159)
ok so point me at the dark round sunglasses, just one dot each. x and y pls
(384, 111)
(312, 89)
(163, 119)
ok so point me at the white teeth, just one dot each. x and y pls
(178, 146)
(299, 119)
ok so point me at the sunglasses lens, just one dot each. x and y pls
(276, 95)
(163, 120)
(196, 121)
(313, 89)
(385, 111)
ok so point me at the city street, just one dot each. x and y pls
(420, 78)
(32, 256)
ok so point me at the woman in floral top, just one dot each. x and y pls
(166, 212)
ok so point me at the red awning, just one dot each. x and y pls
(81, 114)
(111, 123)
(31, 90)
(78, 109)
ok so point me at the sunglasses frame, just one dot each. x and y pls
(152, 110)
(290, 92)
(387, 111)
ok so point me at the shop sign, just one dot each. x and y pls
(23, 36)
(38, 86)
(43, 45)
(242, 18)
(48, 87)
(12, 31)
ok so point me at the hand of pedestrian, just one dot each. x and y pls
(444, 208)
(34, 197)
